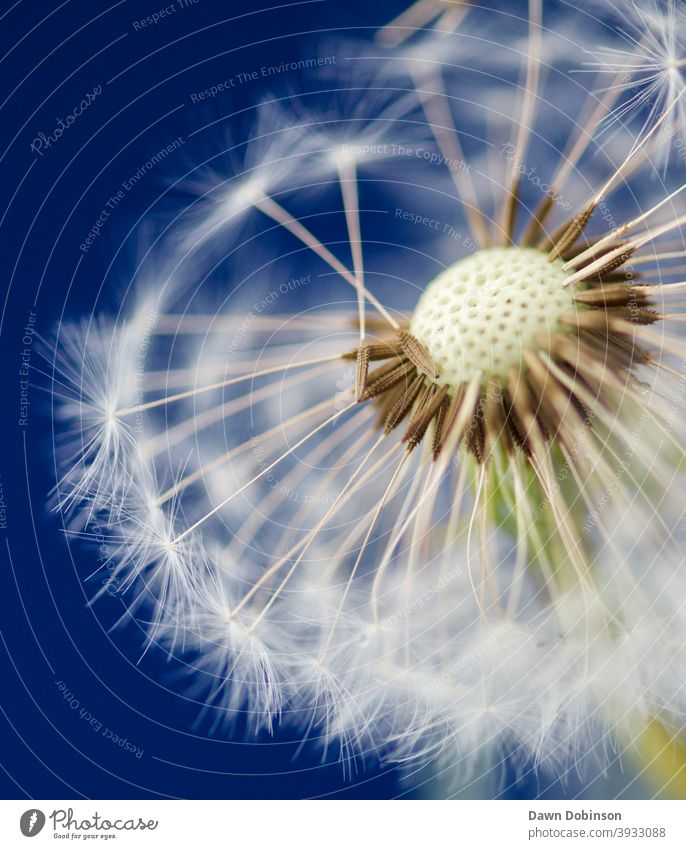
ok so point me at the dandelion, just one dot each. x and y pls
(647, 71)
(411, 534)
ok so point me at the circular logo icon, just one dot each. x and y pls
(31, 822)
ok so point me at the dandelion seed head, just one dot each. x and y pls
(398, 527)
(482, 312)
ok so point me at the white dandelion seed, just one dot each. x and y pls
(646, 68)
(232, 180)
(432, 565)
(94, 379)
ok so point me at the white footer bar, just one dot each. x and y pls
(345, 824)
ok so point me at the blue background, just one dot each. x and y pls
(54, 54)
